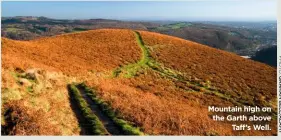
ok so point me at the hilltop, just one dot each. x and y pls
(152, 84)
(238, 37)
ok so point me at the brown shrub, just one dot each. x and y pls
(157, 104)
(22, 121)
(226, 71)
(162, 109)
(76, 53)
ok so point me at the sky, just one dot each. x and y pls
(208, 10)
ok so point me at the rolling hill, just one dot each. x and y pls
(127, 82)
(242, 38)
(245, 39)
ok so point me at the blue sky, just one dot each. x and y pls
(246, 10)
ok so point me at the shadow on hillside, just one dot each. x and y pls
(78, 114)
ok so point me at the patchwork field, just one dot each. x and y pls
(125, 82)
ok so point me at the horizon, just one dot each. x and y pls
(147, 20)
(221, 11)
(174, 20)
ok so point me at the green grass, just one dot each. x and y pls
(131, 70)
(30, 89)
(79, 30)
(173, 26)
(162, 28)
(97, 128)
(125, 126)
(12, 29)
(179, 25)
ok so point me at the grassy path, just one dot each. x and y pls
(89, 122)
(96, 116)
(126, 128)
(133, 69)
(147, 62)
(109, 125)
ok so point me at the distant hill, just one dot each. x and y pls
(160, 84)
(240, 38)
(267, 56)
(27, 28)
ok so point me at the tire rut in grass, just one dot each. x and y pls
(107, 122)
(88, 122)
(81, 120)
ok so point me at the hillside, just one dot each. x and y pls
(88, 51)
(232, 37)
(126, 77)
(28, 28)
(267, 56)
(238, 37)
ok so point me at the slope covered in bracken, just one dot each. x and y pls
(159, 83)
(240, 78)
(100, 50)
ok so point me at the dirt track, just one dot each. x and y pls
(107, 122)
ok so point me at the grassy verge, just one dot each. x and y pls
(96, 125)
(124, 126)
